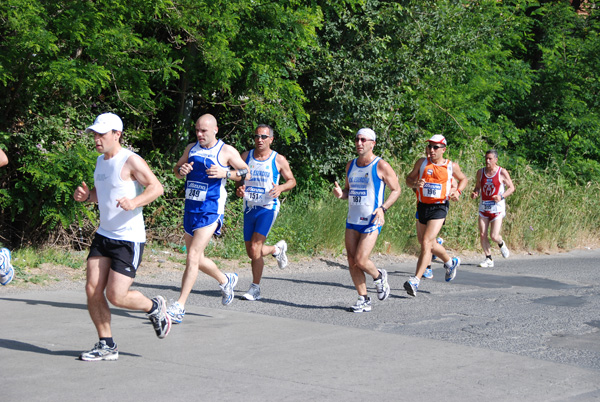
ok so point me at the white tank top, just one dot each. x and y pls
(366, 192)
(115, 222)
(262, 176)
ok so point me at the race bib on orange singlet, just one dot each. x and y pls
(432, 190)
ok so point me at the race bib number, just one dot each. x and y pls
(255, 195)
(196, 191)
(357, 197)
(432, 190)
(489, 206)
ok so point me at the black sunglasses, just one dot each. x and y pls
(261, 136)
(436, 147)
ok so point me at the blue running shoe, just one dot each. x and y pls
(428, 274)
(451, 272)
(176, 312)
(411, 286)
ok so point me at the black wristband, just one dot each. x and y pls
(383, 209)
(88, 197)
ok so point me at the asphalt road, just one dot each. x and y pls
(528, 329)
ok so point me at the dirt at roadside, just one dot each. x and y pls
(166, 267)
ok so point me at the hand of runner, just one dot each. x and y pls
(337, 190)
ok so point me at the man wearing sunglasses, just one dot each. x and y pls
(432, 178)
(261, 203)
(366, 179)
(205, 165)
(494, 184)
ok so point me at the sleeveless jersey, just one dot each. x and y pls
(438, 182)
(491, 186)
(262, 176)
(115, 222)
(365, 194)
(203, 194)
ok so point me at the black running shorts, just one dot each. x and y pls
(125, 256)
(428, 212)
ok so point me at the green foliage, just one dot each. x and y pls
(519, 75)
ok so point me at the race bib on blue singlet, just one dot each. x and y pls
(196, 191)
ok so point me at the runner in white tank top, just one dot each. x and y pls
(366, 178)
(261, 204)
(123, 184)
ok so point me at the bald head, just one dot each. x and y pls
(207, 119)
(206, 130)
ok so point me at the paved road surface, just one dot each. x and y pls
(526, 330)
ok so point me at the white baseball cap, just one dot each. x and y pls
(367, 132)
(105, 123)
(438, 139)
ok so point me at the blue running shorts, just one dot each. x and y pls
(364, 228)
(258, 220)
(192, 222)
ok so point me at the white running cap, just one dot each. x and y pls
(438, 139)
(105, 123)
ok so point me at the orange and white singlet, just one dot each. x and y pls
(438, 182)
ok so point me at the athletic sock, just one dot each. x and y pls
(276, 252)
(109, 342)
(380, 276)
(154, 306)
(500, 244)
(489, 257)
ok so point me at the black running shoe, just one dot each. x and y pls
(159, 318)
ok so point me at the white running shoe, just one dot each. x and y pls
(428, 274)
(412, 285)
(362, 305)
(159, 318)
(451, 271)
(100, 351)
(504, 250)
(7, 272)
(488, 263)
(281, 257)
(253, 293)
(227, 288)
(382, 286)
(176, 312)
